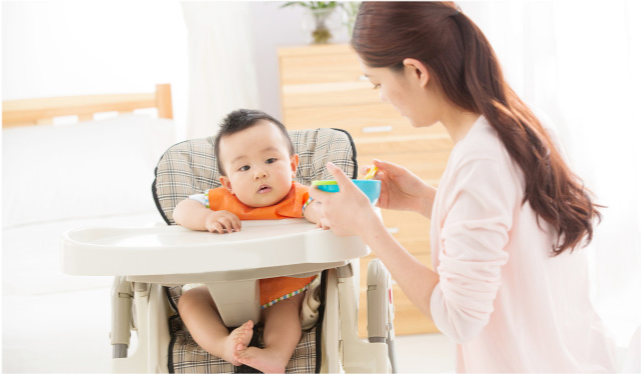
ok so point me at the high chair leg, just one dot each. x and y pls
(380, 308)
(330, 338)
(357, 355)
(121, 298)
(152, 313)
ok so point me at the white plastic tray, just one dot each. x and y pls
(176, 250)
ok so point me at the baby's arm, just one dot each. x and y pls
(312, 212)
(195, 216)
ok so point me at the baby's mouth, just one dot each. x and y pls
(264, 189)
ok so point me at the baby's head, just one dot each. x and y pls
(256, 158)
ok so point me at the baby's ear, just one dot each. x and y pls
(226, 183)
(293, 159)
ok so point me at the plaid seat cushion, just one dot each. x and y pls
(189, 168)
(185, 356)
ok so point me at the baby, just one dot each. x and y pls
(257, 162)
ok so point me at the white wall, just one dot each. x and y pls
(274, 27)
(60, 48)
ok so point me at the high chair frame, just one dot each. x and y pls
(146, 260)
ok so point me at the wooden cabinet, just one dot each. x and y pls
(324, 86)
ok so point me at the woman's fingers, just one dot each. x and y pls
(383, 167)
(323, 224)
(389, 167)
(340, 177)
(319, 195)
(343, 181)
(364, 170)
(339, 209)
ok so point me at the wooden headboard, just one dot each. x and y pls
(42, 111)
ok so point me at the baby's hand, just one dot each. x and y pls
(222, 221)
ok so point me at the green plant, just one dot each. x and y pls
(320, 11)
(351, 10)
(312, 4)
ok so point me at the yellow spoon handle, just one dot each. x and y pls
(372, 171)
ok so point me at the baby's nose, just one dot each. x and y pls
(260, 174)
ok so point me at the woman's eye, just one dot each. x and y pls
(377, 86)
(244, 168)
(270, 161)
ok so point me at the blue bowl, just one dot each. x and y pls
(371, 187)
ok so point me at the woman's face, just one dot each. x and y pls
(409, 91)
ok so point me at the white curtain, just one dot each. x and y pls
(580, 63)
(222, 74)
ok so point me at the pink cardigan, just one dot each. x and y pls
(507, 303)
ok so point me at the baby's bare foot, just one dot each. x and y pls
(262, 359)
(240, 336)
(246, 331)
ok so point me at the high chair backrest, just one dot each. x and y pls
(190, 167)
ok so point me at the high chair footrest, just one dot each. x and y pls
(240, 301)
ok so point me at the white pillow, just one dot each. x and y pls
(87, 169)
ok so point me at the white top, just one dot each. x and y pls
(507, 303)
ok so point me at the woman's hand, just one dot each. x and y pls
(347, 212)
(401, 189)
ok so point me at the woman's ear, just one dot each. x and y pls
(415, 69)
(293, 159)
(226, 183)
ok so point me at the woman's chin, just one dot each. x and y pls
(419, 124)
(416, 124)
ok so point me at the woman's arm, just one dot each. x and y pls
(416, 280)
(195, 216)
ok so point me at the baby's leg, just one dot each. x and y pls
(200, 315)
(281, 336)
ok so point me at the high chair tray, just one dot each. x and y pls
(177, 250)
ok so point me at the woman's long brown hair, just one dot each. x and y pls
(462, 62)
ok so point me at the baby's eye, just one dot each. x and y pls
(270, 160)
(377, 86)
(244, 168)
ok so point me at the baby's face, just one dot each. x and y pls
(258, 165)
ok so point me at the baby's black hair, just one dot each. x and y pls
(243, 119)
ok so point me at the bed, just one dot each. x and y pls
(97, 171)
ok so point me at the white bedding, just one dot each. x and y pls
(82, 170)
(96, 173)
(31, 255)
(63, 320)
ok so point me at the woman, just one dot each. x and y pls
(509, 217)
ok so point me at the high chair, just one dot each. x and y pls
(151, 264)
